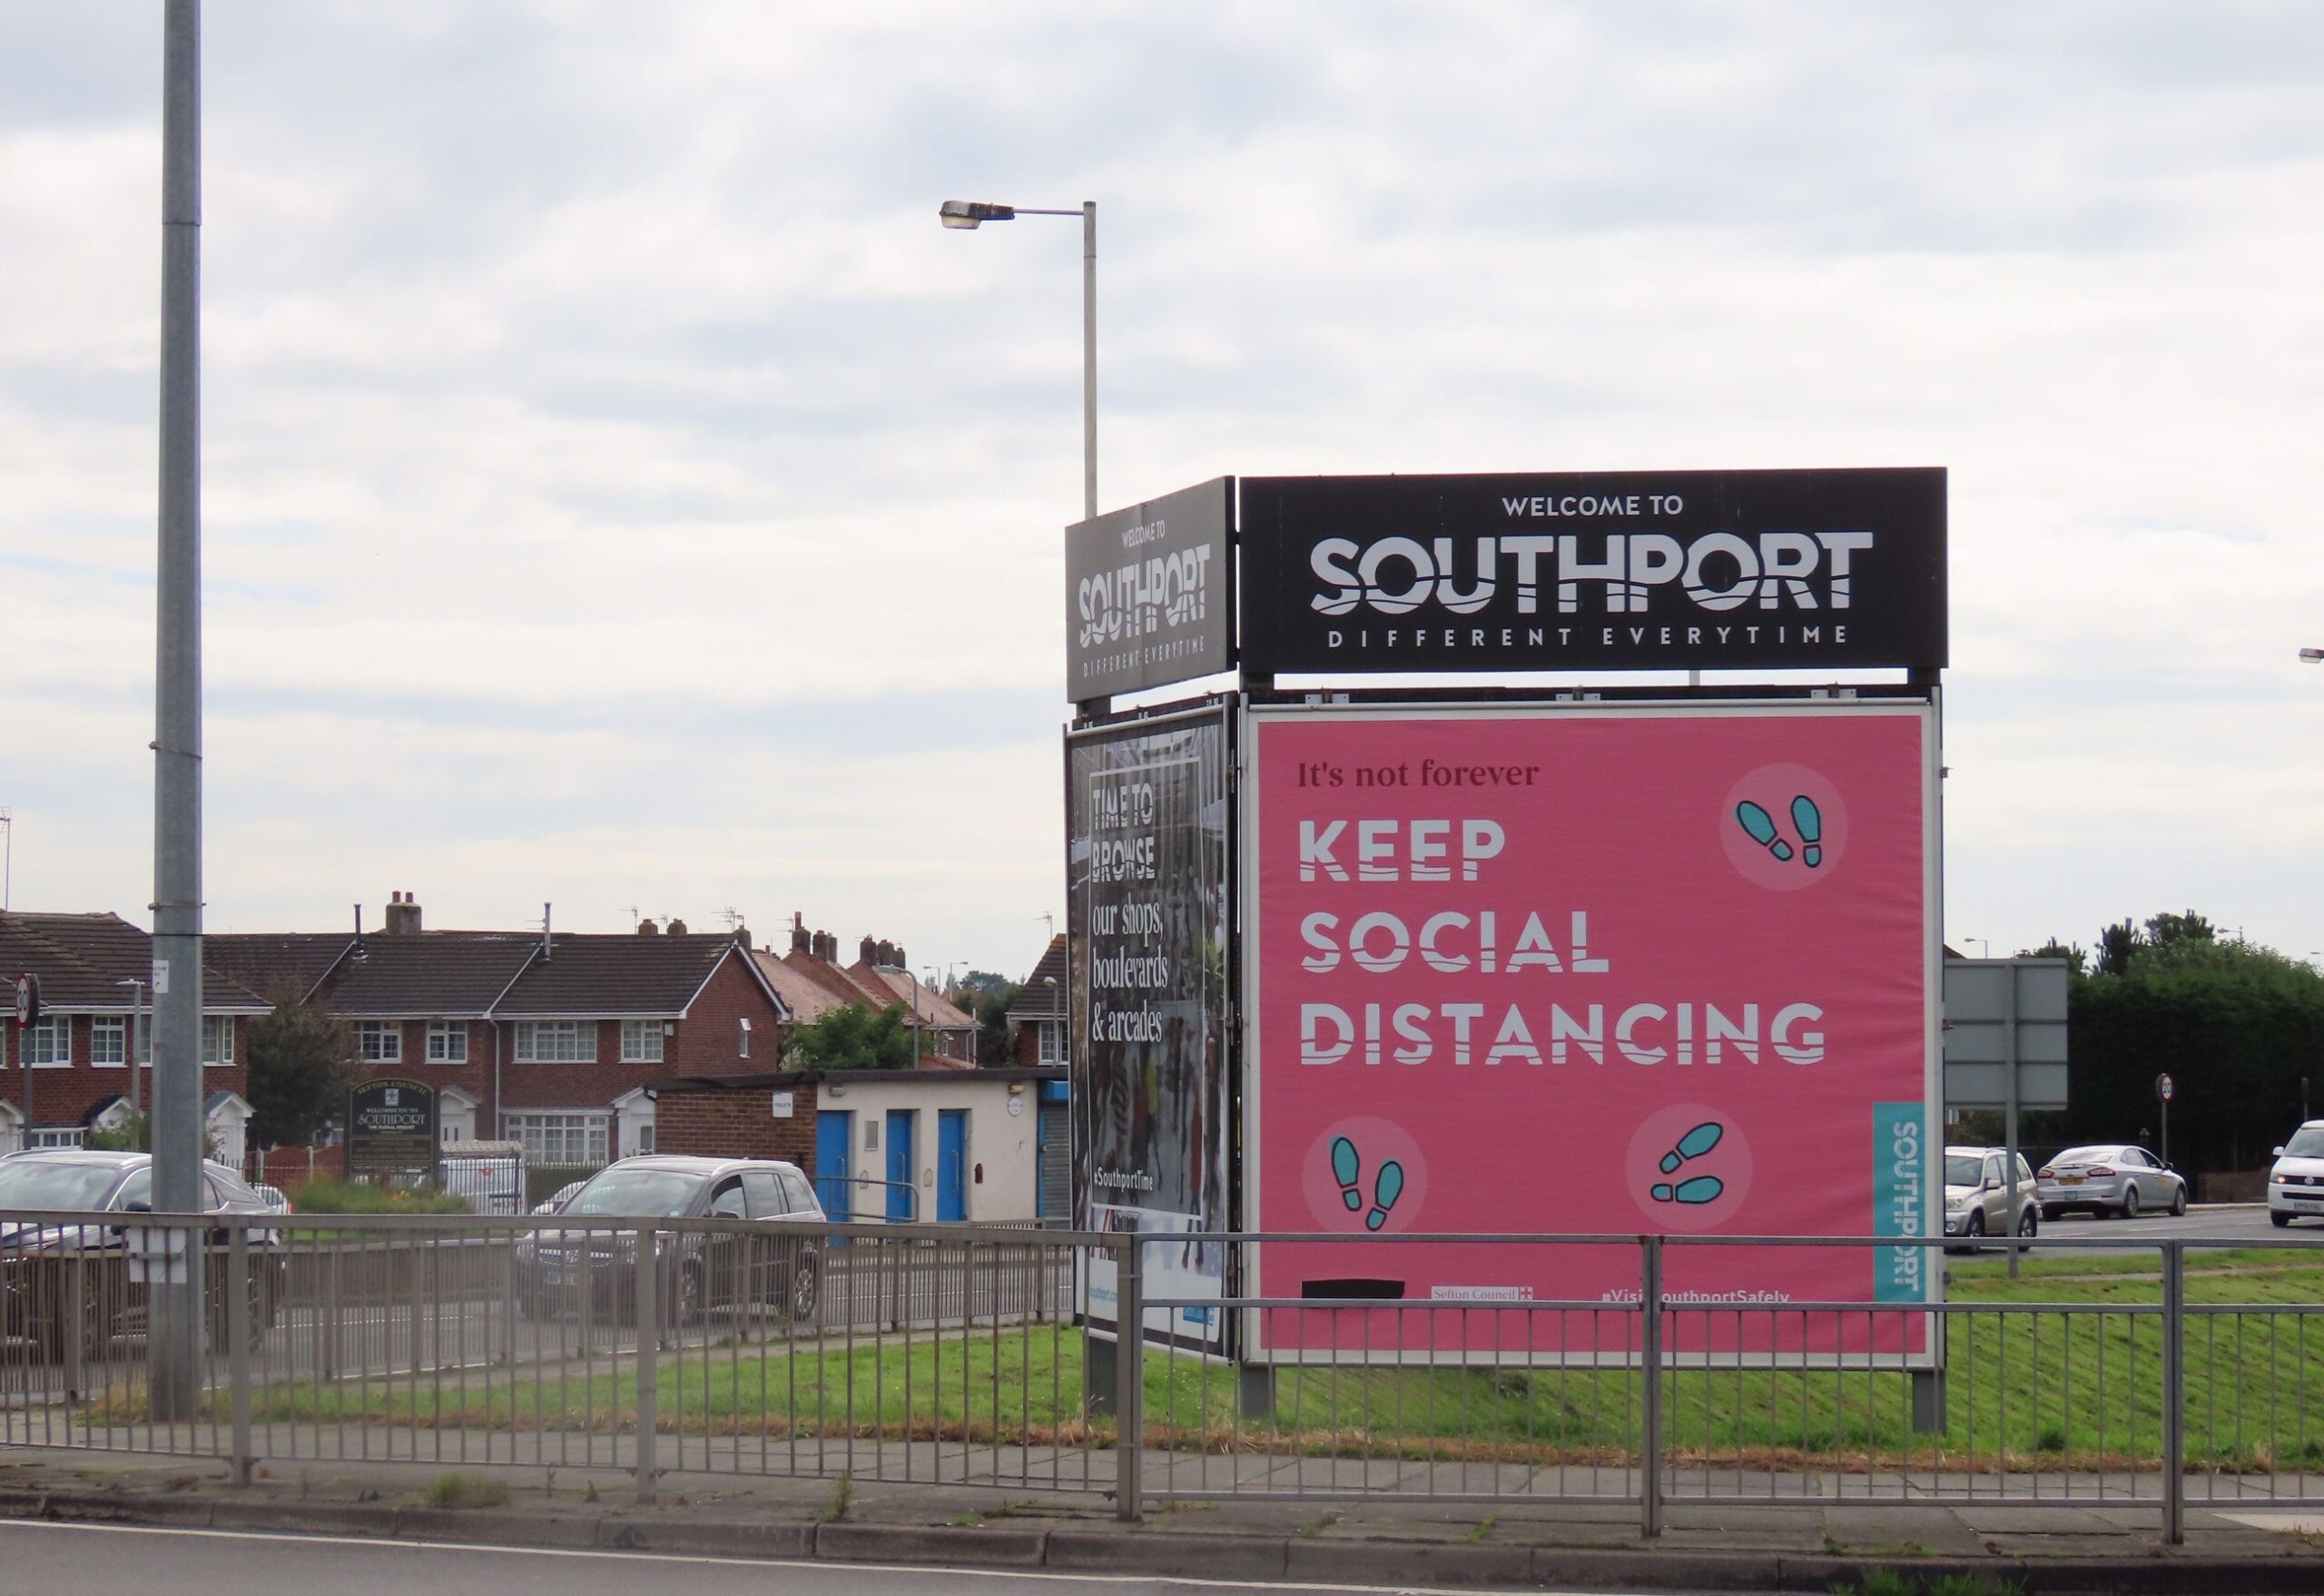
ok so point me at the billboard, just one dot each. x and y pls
(1588, 968)
(1602, 570)
(1148, 594)
(1147, 877)
(391, 1129)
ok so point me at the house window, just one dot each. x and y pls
(646, 1137)
(557, 1041)
(62, 1135)
(561, 1137)
(379, 1042)
(49, 1046)
(1052, 1041)
(218, 1039)
(641, 1041)
(448, 1041)
(109, 1041)
(744, 1051)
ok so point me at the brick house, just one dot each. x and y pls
(880, 979)
(1037, 1012)
(550, 1040)
(75, 1065)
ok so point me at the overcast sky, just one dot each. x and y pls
(618, 490)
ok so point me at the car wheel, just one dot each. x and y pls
(2028, 1222)
(2131, 1202)
(1976, 1226)
(805, 1288)
(686, 1303)
(2179, 1203)
(2279, 1218)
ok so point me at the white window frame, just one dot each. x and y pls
(1052, 1042)
(580, 1037)
(379, 1042)
(48, 1045)
(54, 1136)
(218, 1040)
(443, 1036)
(744, 1050)
(109, 1042)
(642, 1041)
(553, 1136)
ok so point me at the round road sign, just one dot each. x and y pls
(27, 1000)
(2162, 1088)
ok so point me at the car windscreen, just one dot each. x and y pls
(2086, 1155)
(637, 1193)
(1959, 1171)
(41, 1183)
(2304, 1143)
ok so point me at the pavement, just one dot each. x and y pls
(1807, 1543)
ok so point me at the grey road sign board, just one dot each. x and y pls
(1995, 1008)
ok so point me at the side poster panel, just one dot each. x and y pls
(1590, 970)
(1146, 878)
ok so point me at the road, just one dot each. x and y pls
(106, 1560)
(2235, 1224)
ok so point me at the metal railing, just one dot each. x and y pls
(952, 1354)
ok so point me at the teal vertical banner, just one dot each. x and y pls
(1900, 1164)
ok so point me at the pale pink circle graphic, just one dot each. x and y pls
(1377, 1141)
(1773, 787)
(1728, 1162)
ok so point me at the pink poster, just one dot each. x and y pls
(1610, 971)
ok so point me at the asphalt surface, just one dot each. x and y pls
(2235, 1224)
(103, 1560)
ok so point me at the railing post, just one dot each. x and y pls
(2174, 1393)
(648, 1294)
(1129, 1386)
(238, 1344)
(1649, 1425)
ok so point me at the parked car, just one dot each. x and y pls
(2112, 1177)
(596, 1270)
(2296, 1182)
(554, 1202)
(53, 1277)
(1977, 1198)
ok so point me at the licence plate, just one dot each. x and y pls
(2069, 1180)
(2309, 1202)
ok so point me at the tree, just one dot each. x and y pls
(301, 1063)
(2164, 929)
(2116, 944)
(992, 1023)
(2073, 954)
(854, 1038)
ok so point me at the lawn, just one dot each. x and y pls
(2026, 1390)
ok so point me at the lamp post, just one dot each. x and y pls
(2312, 656)
(966, 215)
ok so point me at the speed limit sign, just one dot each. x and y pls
(27, 1000)
(2162, 1088)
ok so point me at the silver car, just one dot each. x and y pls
(1977, 1198)
(2296, 1182)
(2112, 1177)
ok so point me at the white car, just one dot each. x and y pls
(2296, 1183)
(1977, 1198)
(2111, 1177)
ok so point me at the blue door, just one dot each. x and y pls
(903, 1188)
(834, 1133)
(952, 1163)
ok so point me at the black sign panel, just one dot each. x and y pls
(1148, 596)
(1146, 878)
(391, 1128)
(1618, 570)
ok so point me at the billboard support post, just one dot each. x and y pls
(1928, 1401)
(1099, 1377)
(2009, 1134)
(1255, 1390)
(1129, 1371)
(1649, 1410)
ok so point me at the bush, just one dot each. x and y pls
(347, 1197)
(462, 1491)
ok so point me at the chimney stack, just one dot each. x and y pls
(403, 915)
(799, 939)
(826, 946)
(646, 928)
(868, 952)
(677, 928)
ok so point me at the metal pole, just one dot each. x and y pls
(2174, 1393)
(1088, 359)
(175, 1347)
(2009, 1134)
(1649, 1417)
(649, 1359)
(1129, 1372)
(238, 1342)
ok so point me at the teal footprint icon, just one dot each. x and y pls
(1809, 820)
(1702, 1188)
(1760, 826)
(1386, 1188)
(1346, 1166)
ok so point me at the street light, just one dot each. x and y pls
(2312, 656)
(966, 215)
